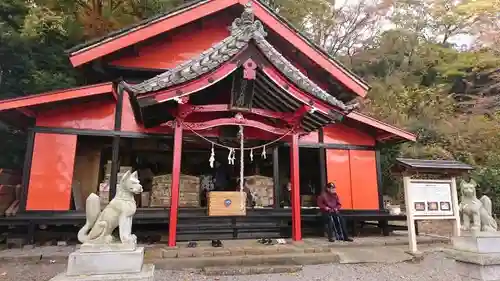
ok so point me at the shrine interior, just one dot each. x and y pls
(152, 158)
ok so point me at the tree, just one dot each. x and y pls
(486, 27)
(338, 29)
(433, 20)
(97, 18)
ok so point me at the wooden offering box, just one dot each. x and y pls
(226, 203)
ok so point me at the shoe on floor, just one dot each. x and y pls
(216, 243)
(331, 240)
(349, 240)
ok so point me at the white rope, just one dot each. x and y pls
(228, 147)
(212, 157)
(242, 169)
(231, 156)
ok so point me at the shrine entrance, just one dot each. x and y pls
(241, 95)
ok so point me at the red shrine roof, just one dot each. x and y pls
(56, 96)
(267, 76)
(196, 10)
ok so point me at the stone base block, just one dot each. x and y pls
(475, 258)
(115, 247)
(105, 262)
(478, 272)
(483, 243)
(146, 274)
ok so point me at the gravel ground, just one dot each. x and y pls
(434, 267)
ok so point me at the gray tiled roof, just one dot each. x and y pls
(433, 164)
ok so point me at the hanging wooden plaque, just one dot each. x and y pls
(241, 92)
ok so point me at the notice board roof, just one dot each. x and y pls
(433, 166)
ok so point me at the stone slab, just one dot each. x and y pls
(112, 262)
(478, 272)
(483, 243)
(146, 274)
(115, 247)
(248, 261)
(474, 258)
(252, 270)
(389, 254)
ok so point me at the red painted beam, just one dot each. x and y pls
(295, 180)
(176, 173)
(55, 96)
(197, 126)
(27, 112)
(297, 116)
(312, 52)
(185, 110)
(152, 29)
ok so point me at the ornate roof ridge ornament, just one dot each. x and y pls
(242, 30)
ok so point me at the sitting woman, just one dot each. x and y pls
(329, 204)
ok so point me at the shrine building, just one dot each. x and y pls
(176, 97)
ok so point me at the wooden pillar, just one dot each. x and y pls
(115, 167)
(380, 188)
(28, 158)
(276, 178)
(115, 156)
(176, 173)
(295, 179)
(322, 160)
(410, 221)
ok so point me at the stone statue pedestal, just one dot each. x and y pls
(478, 256)
(107, 262)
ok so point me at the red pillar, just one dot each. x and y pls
(295, 179)
(176, 173)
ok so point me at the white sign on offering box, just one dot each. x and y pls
(430, 200)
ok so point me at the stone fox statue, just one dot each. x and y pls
(118, 213)
(479, 210)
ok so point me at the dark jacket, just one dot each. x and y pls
(327, 199)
